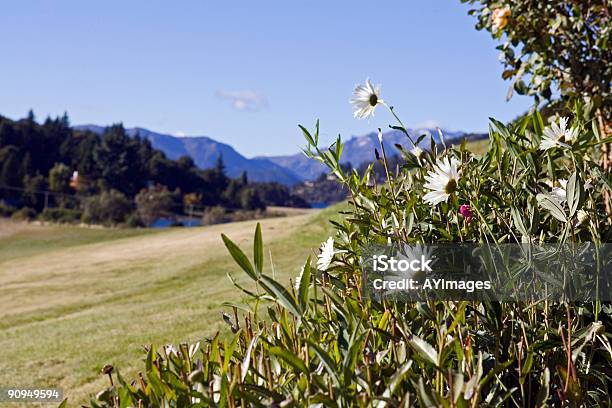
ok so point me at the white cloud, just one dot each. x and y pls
(179, 134)
(428, 124)
(244, 100)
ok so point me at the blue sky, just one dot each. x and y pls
(247, 72)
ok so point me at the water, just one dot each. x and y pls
(172, 222)
(319, 204)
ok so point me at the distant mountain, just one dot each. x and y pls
(360, 149)
(290, 169)
(204, 151)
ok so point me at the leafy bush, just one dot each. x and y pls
(134, 221)
(60, 214)
(155, 202)
(280, 195)
(250, 200)
(109, 208)
(220, 215)
(6, 210)
(24, 214)
(324, 190)
(215, 215)
(539, 37)
(321, 342)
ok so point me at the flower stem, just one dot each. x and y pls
(400, 122)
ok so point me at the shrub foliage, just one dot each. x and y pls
(320, 342)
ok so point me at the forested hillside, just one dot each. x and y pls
(63, 174)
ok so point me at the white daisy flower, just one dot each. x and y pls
(327, 253)
(556, 135)
(442, 180)
(365, 99)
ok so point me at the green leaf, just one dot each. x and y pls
(551, 204)
(327, 361)
(239, 257)
(355, 347)
(501, 129)
(458, 317)
(526, 369)
(538, 123)
(490, 374)
(427, 396)
(396, 379)
(304, 284)
(307, 135)
(520, 87)
(542, 397)
(518, 221)
(246, 291)
(289, 358)
(125, 399)
(574, 192)
(423, 309)
(281, 294)
(423, 349)
(598, 173)
(228, 353)
(607, 140)
(258, 249)
(550, 167)
(339, 304)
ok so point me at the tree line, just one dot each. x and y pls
(51, 170)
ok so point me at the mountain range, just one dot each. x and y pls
(289, 169)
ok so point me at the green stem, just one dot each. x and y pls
(400, 122)
(391, 185)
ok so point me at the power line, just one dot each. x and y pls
(196, 209)
(34, 191)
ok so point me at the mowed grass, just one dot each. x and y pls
(478, 147)
(77, 299)
(18, 240)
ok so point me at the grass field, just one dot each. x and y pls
(73, 299)
(478, 147)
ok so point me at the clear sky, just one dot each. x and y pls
(247, 72)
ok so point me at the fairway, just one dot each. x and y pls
(73, 299)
